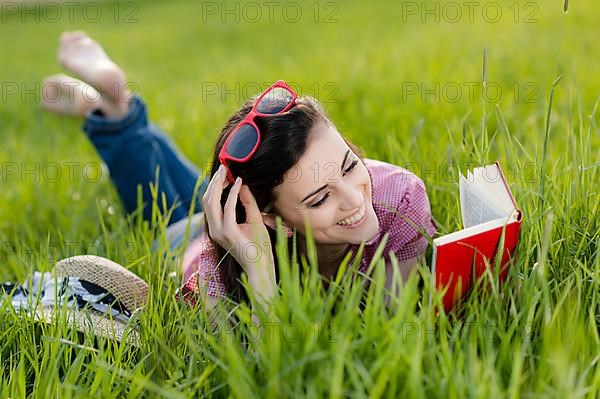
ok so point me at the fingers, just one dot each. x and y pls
(223, 221)
(216, 185)
(220, 181)
(230, 221)
(252, 212)
(211, 202)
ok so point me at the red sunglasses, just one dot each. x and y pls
(244, 140)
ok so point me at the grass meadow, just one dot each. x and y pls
(405, 82)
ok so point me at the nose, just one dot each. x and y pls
(353, 197)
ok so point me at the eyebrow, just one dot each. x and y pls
(325, 186)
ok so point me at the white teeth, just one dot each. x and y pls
(351, 220)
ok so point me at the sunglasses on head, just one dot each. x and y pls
(245, 138)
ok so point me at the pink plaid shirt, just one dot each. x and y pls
(402, 208)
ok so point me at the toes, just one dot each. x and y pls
(59, 82)
(79, 34)
(63, 94)
(64, 37)
(50, 86)
(68, 36)
(51, 93)
(68, 39)
(53, 78)
(61, 78)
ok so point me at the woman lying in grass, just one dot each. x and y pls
(278, 156)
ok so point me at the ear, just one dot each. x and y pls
(269, 219)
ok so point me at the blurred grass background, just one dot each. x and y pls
(362, 67)
(361, 59)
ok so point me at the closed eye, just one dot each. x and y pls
(321, 202)
(352, 165)
(348, 170)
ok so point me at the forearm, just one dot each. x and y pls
(403, 270)
(263, 287)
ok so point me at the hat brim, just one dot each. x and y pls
(126, 286)
(129, 291)
(91, 321)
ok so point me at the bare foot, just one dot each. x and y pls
(86, 59)
(65, 95)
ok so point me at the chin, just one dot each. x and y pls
(372, 227)
(365, 231)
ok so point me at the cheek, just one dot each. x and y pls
(366, 179)
(319, 220)
(324, 218)
(328, 219)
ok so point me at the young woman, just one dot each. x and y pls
(278, 155)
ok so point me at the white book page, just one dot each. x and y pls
(488, 179)
(475, 207)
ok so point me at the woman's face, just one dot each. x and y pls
(331, 188)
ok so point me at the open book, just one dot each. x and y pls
(488, 208)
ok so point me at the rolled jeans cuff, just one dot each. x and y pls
(97, 123)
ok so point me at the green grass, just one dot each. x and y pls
(537, 335)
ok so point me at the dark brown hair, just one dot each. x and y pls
(284, 139)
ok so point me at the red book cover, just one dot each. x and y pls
(460, 258)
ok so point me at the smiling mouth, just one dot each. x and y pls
(354, 219)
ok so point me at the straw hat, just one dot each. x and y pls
(127, 288)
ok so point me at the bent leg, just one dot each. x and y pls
(182, 172)
(133, 151)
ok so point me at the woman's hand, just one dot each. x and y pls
(249, 243)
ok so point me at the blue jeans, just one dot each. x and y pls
(133, 149)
